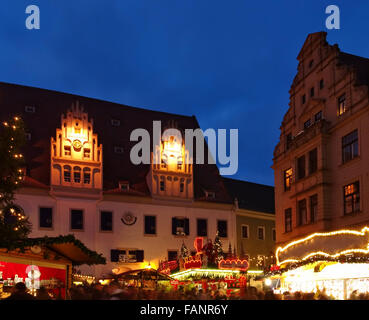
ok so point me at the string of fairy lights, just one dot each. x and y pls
(10, 213)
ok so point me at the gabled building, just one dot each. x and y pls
(255, 221)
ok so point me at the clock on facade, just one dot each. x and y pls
(77, 145)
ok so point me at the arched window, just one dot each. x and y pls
(67, 173)
(86, 175)
(181, 185)
(77, 174)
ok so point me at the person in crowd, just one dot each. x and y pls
(42, 294)
(19, 292)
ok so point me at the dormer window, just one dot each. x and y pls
(210, 195)
(118, 150)
(124, 186)
(307, 124)
(115, 122)
(30, 109)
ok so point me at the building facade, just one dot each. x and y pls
(79, 179)
(255, 221)
(321, 162)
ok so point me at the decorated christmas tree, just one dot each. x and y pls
(218, 249)
(14, 225)
(184, 251)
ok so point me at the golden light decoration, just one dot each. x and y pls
(325, 234)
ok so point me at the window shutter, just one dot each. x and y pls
(187, 226)
(114, 255)
(139, 255)
(174, 226)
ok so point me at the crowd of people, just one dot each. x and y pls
(115, 291)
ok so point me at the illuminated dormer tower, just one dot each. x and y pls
(76, 156)
(171, 169)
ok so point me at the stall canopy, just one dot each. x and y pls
(67, 246)
(145, 274)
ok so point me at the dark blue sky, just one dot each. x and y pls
(230, 63)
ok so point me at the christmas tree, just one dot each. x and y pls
(14, 225)
(184, 251)
(218, 249)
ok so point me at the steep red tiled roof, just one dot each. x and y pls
(42, 125)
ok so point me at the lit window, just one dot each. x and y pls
(86, 152)
(351, 195)
(341, 105)
(287, 179)
(67, 150)
(180, 226)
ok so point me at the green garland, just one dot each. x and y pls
(351, 258)
(22, 244)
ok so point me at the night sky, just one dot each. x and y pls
(230, 63)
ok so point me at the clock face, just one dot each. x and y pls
(77, 145)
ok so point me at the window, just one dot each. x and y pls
(321, 84)
(350, 146)
(302, 214)
(76, 219)
(341, 105)
(351, 194)
(301, 167)
(67, 174)
(313, 161)
(245, 231)
(179, 166)
(287, 174)
(307, 124)
(86, 175)
(318, 116)
(288, 141)
(172, 255)
(303, 99)
(46, 217)
(106, 221)
(115, 122)
(261, 233)
(180, 226)
(77, 174)
(127, 255)
(311, 63)
(274, 236)
(28, 136)
(162, 184)
(118, 150)
(67, 151)
(150, 225)
(209, 195)
(312, 92)
(313, 208)
(288, 220)
(30, 109)
(181, 185)
(202, 227)
(222, 228)
(86, 153)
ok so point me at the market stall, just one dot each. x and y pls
(43, 262)
(335, 263)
